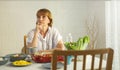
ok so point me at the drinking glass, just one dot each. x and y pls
(69, 59)
(31, 50)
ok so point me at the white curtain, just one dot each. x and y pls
(112, 31)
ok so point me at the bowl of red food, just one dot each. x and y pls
(44, 57)
(41, 57)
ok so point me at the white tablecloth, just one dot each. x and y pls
(38, 66)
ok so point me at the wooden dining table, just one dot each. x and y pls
(40, 66)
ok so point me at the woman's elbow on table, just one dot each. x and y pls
(60, 45)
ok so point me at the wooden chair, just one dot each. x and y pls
(107, 52)
(24, 49)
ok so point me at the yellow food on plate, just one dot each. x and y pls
(21, 63)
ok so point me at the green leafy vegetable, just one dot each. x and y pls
(81, 44)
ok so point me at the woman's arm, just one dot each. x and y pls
(60, 46)
(35, 38)
(34, 41)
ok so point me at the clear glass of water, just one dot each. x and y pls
(31, 50)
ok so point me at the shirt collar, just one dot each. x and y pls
(49, 29)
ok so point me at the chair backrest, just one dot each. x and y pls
(106, 51)
(24, 49)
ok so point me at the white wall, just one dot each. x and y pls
(97, 9)
(18, 17)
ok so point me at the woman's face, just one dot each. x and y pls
(43, 19)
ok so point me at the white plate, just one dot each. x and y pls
(48, 65)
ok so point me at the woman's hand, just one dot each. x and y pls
(42, 52)
(40, 27)
(37, 28)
